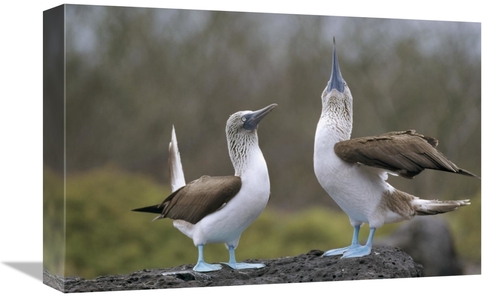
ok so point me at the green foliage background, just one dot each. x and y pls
(103, 236)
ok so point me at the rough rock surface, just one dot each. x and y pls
(383, 262)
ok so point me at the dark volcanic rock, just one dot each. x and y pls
(384, 262)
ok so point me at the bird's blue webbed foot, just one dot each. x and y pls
(355, 249)
(360, 251)
(205, 267)
(340, 251)
(240, 265)
(243, 265)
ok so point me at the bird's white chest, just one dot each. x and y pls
(230, 221)
(355, 188)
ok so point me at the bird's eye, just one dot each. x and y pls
(243, 119)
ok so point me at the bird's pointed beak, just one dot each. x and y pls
(336, 81)
(253, 118)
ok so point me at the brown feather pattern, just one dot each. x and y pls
(200, 198)
(405, 153)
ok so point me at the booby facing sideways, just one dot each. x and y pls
(354, 171)
(217, 209)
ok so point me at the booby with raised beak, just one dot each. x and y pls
(354, 171)
(217, 209)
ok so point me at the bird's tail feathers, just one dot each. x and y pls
(433, 207)
(151, 209)
(177, 179)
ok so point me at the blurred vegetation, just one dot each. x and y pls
(103, 235)
(54, 240)
(466, 228)
(132, 73)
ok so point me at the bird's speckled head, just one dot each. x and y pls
(247, 121)
(337, 98)
(241, 132)
(337, 87)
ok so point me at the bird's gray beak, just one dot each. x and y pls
(253, 118)
(336, 81)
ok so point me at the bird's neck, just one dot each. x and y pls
(335, 125)
(245, 154)
(336, 119)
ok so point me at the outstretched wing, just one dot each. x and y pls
(405, 153)
(197, 199)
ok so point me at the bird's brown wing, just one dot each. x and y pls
(200, 197)
(405, 153)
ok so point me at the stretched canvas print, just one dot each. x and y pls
(192, 148)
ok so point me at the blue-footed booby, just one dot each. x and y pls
(354, 171)
(217, 209)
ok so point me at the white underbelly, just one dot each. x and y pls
(355, 188)
(227, 224)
